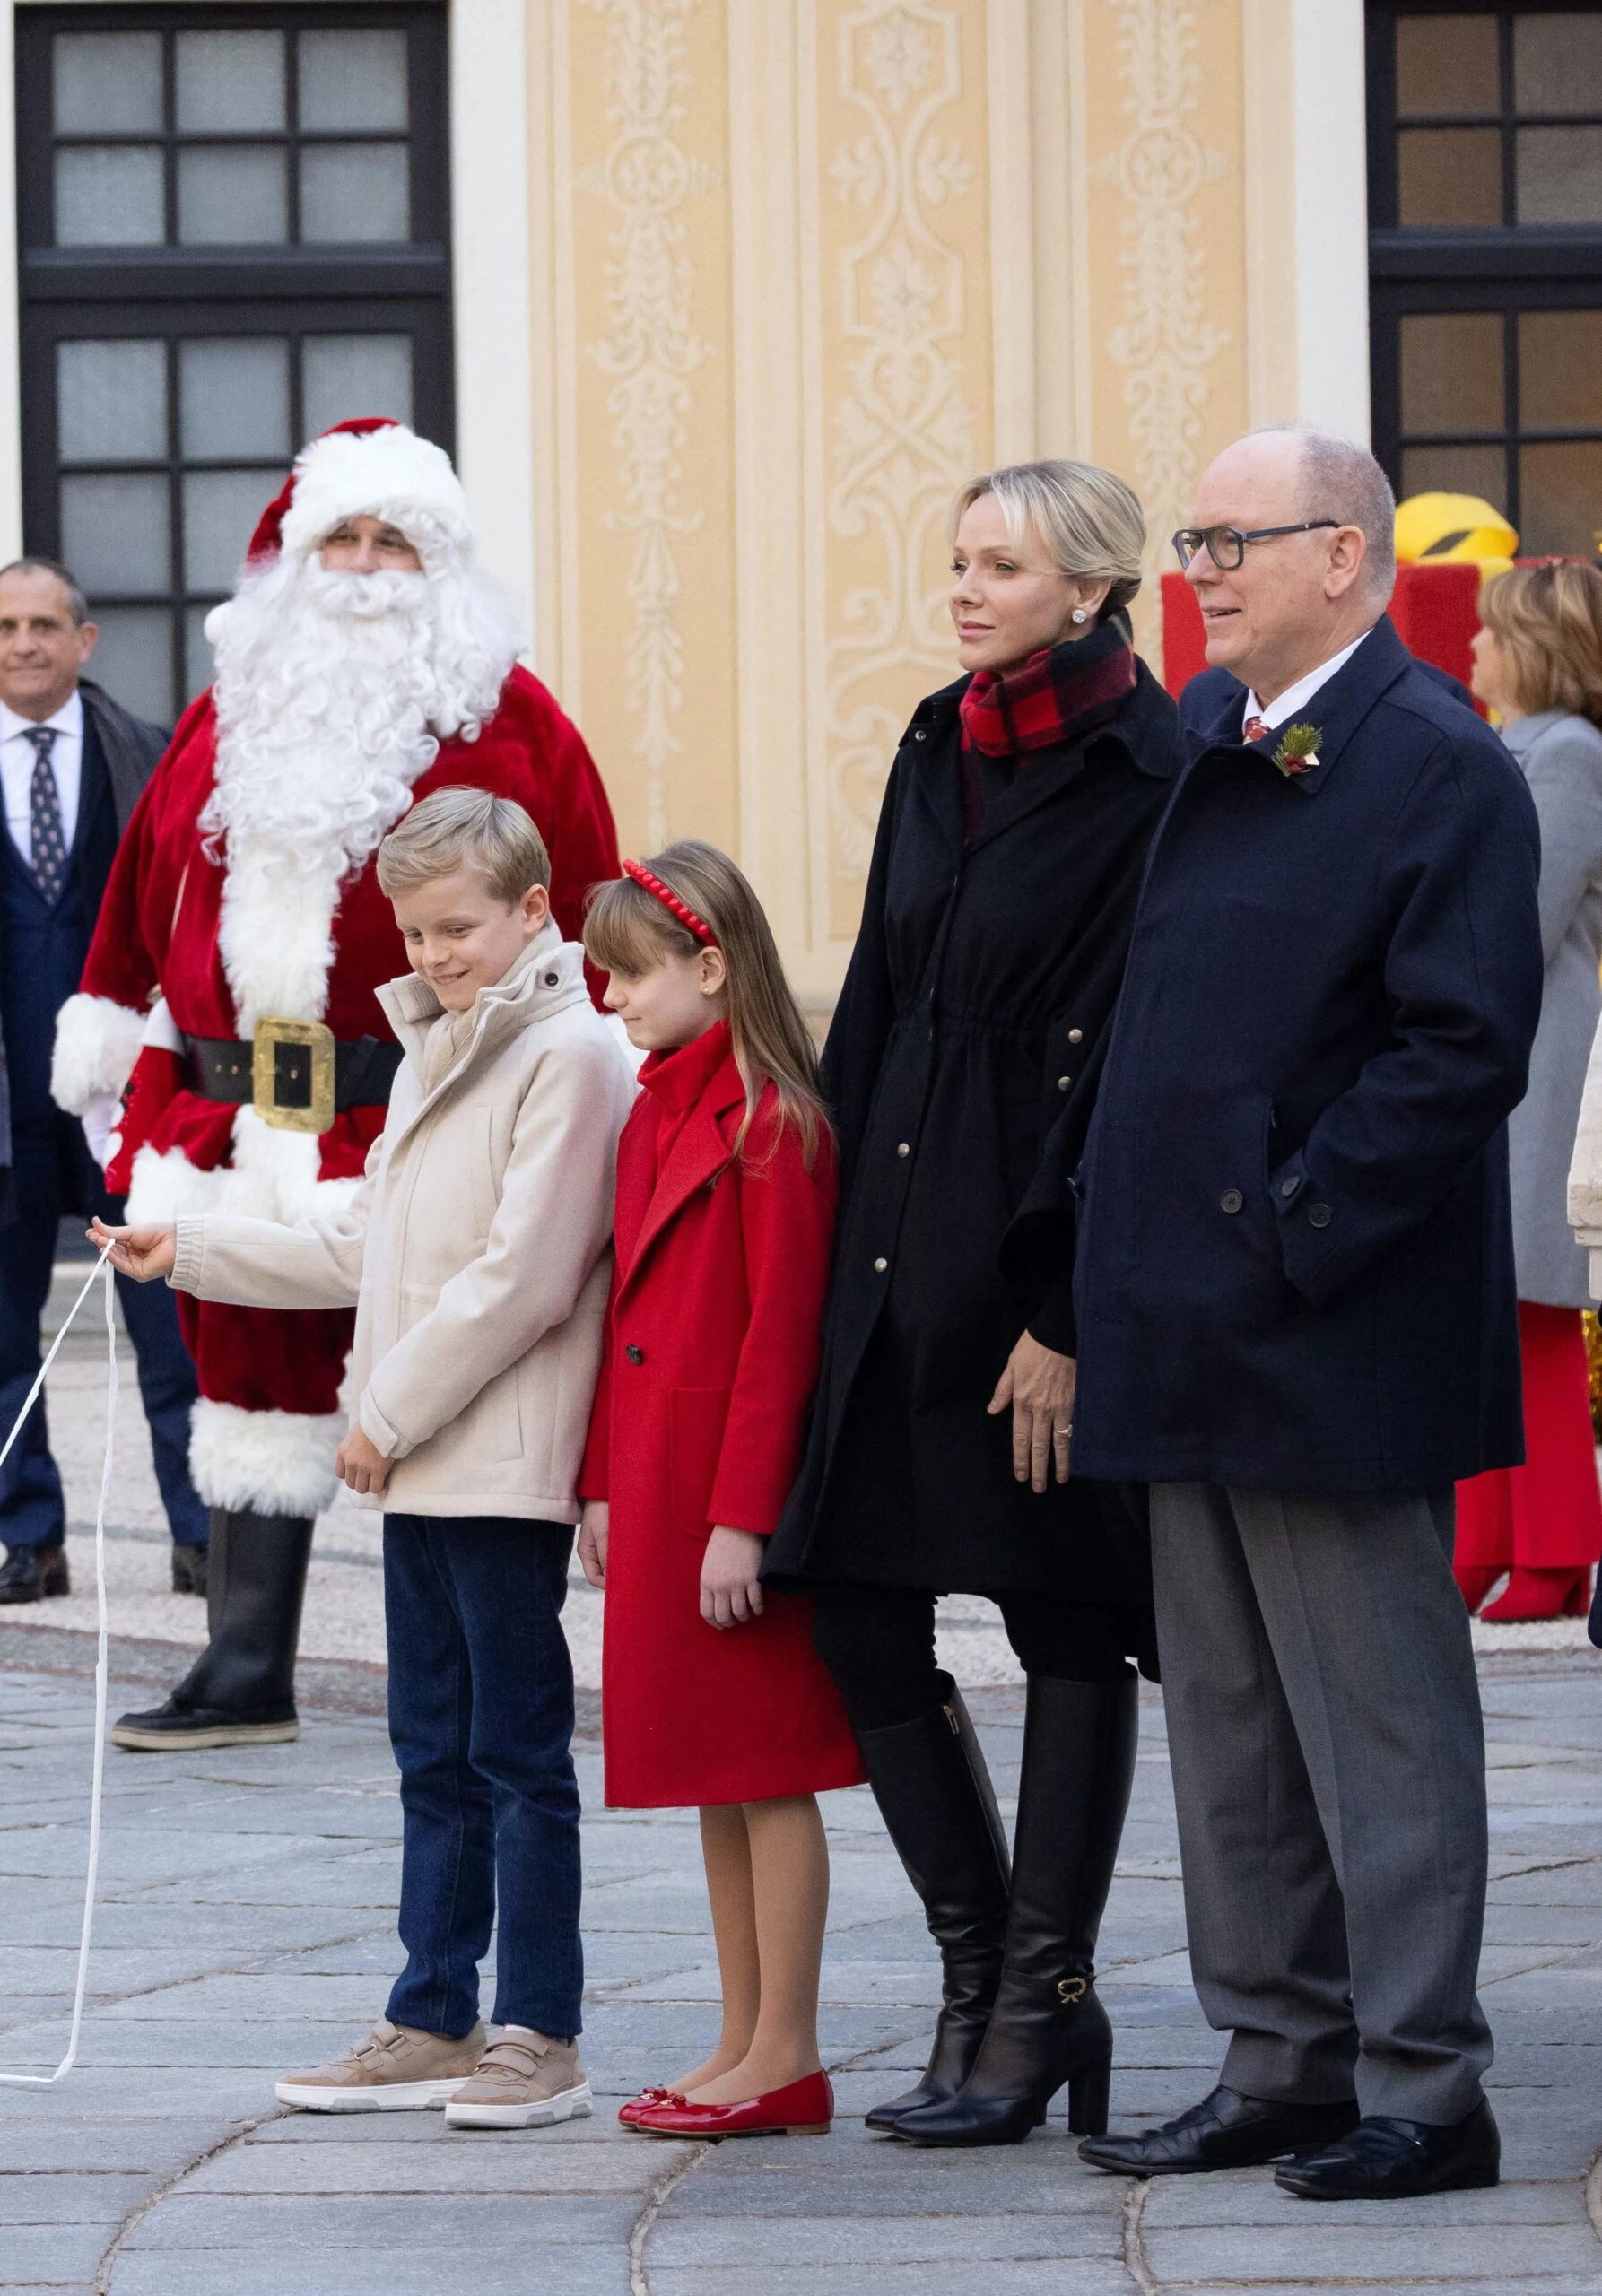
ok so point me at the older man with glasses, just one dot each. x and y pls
(1297, 1323)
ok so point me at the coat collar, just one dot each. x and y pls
(1337, 709)
(1524, 733)
(546, 979)
(701, 1148)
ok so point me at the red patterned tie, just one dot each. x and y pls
(1254, 729)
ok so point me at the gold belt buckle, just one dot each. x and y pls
(319, 1039)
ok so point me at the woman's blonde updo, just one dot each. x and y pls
(1549, 622)
(1089, 521)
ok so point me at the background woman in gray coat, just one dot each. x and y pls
(1538, 662)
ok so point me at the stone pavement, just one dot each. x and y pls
(246, 1929)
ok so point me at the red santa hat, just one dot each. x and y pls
(371, 466)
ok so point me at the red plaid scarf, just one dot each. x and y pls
(1060, 692)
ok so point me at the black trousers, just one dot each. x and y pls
(878, 1642)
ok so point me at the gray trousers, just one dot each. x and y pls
(1329, 1767)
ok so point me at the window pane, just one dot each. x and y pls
(134, 659)
(1560, 175)
(1561, 498)
(110, 196)
(345, 374)
(1451, 371)
(1559, 370)
(115, 534)
(1456, 470)
(111, 402)
(352, 80)
(107, 84)
(233, 397)
(199, 666)
(229, 84)
(1557, 63)
(232, 198)
(1446, 64)
(355, 191)
(1449, 175)
(221, 509)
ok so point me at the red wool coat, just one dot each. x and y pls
(711, 1351)
(267, 1423)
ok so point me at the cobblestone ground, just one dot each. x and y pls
(246, 1928)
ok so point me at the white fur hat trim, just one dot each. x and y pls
(390, 473)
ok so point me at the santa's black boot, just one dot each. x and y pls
(241, 1689)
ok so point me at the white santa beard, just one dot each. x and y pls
(328, 688)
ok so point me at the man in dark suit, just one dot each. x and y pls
(72, 764)
(1297, 1323)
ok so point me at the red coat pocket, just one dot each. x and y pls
(697, 1419)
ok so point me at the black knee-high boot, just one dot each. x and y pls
(242, 1689)
(934, 1796)
(1047, 2026)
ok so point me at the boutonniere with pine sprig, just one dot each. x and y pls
(1298, 751)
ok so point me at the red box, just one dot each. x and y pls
(1433, 608)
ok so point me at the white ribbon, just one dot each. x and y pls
(46, 2080)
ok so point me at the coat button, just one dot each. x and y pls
(1231, 1200)
(880, 1265)
(904, 1148)
(635, 1354)
(920, 736)
(1289, 1187)
(1318, 1216)
(550, 979)
(1075, 1036)
(1063, 1082)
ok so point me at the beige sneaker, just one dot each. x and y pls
(524, 2080)
(395, 2070)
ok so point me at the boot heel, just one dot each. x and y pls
(1088, 2094)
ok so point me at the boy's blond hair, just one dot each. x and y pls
(471, 829)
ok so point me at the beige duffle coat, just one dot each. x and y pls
(475, 1250)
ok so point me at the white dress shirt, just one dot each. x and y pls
(1296, 697)
(16, 768)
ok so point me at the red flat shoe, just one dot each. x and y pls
(1542, 1593)
(802, 2107)
(629, 2114)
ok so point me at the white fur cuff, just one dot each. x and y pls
(270, 1462)
(97, 1043)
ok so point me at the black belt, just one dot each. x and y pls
(295, 1074)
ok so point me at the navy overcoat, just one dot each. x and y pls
(1294, 1261)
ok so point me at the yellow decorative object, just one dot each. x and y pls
(1454, 530)
(1593, 1350)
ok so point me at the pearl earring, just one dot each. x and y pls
(1080, 614)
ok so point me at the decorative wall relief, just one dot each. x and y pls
(904, 322)
(651, 353)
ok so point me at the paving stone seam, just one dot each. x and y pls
(1136, 2261)
(1593, 2195)
(656, 2198)
(142, 2208)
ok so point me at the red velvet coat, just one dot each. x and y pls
(712, 1335)
(265, 1428)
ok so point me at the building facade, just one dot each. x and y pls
(717, 301)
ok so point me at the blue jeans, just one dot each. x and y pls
(55, 1175)
(481, 1717)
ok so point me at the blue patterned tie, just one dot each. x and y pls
(50, 845)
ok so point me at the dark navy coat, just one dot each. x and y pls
(1295, 1259)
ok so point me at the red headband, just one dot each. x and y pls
(670, 900)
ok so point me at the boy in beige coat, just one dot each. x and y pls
(475, 1253)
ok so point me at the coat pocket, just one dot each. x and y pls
(696, 1420)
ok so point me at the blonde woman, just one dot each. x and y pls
(962, 1067)
(1538, 662)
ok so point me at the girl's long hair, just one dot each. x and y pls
(628, 930)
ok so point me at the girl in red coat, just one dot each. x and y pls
(711, 1694)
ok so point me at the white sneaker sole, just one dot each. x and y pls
(544, 2112)
(392, 2096)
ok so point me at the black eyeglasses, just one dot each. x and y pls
(1226, 545)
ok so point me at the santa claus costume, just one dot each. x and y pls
(230, 986)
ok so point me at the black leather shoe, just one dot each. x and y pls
(1225, 2131)
(189, 1569)
(192, 1728)
(1397, 2160)
(31, 1573)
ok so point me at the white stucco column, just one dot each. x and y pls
(1330, 192)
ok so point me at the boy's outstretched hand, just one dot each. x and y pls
(594, 1524)
(730, 1593)
(143, 1253)
(360, 1464)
